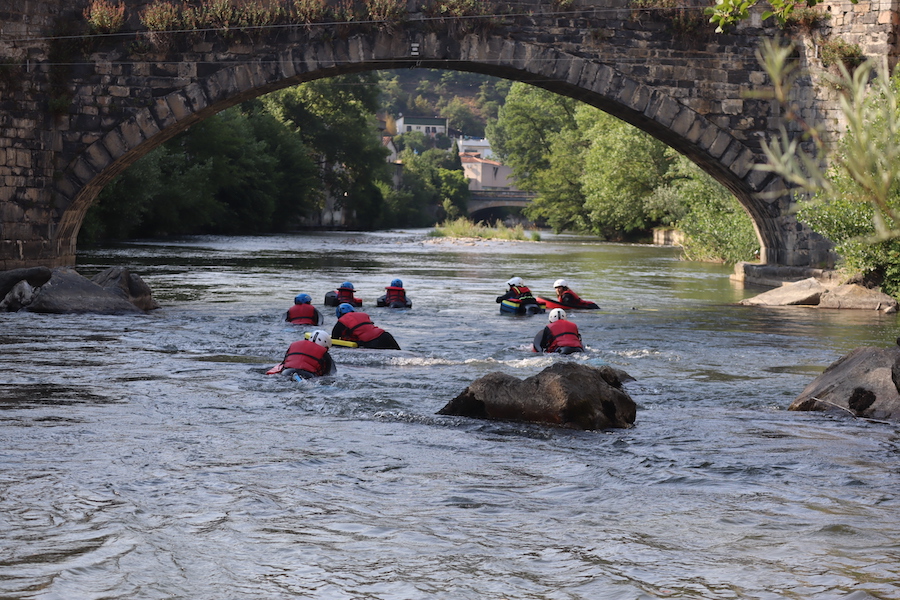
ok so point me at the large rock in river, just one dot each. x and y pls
(69, 292)
(862, 383)
(126, 285)
(568, 394)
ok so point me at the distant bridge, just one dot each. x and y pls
(484, 199)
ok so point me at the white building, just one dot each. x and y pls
(430, 126)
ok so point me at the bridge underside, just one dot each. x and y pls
(62, 162)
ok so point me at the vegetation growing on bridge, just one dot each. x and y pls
(168, 20)
(727, 13)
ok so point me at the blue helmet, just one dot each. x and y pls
(302, 299)
(346, 286)
(396, 283)
(343, 309)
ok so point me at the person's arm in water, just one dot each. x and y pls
(338, 330)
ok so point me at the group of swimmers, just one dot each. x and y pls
(309, 357)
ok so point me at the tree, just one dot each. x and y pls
(849, 191)
(622, 168)
(715, 225)
(335, 119)
(460, 116)
(560, 202)
(522, 135)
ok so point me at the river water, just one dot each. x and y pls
(151, 457)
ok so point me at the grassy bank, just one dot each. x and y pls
(464, 228)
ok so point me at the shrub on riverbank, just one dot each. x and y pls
(463, 227)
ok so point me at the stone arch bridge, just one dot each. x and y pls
(73, 115)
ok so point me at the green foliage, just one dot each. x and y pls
(434, 180)
(460, 116)
(593, 172)
(715, 225)
(464, 228)
(267, 163)
(386, 12)
(622, 168)
(727, 13)
(561, 202)
(236, 172)
(805, 19)
(467, 100)
(865, 166)
(836, 51)
(849, 224)
(335, 117)
(309, 11)
(523, 133)
(685, 19)
(856, 201)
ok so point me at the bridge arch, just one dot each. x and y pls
(701, 112)
(715, 149)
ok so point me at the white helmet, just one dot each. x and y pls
(556, 314)
(321, 338)
(516, 281)
(560, 283)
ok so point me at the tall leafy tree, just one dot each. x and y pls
(335, 119)
(523, 133)
(561, 202)
(622, 168)
(715, 225)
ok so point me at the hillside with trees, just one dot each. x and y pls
(467, 100)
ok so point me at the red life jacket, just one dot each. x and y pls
(346, 295)
(564, 334)
(359, 327)
(394, 294)
(306, 355)
(302, 314)
(521, 293)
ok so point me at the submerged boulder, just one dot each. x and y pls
(862, 383)
(69, 292)
(567, 394)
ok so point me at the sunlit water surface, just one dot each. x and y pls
(151, 457)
